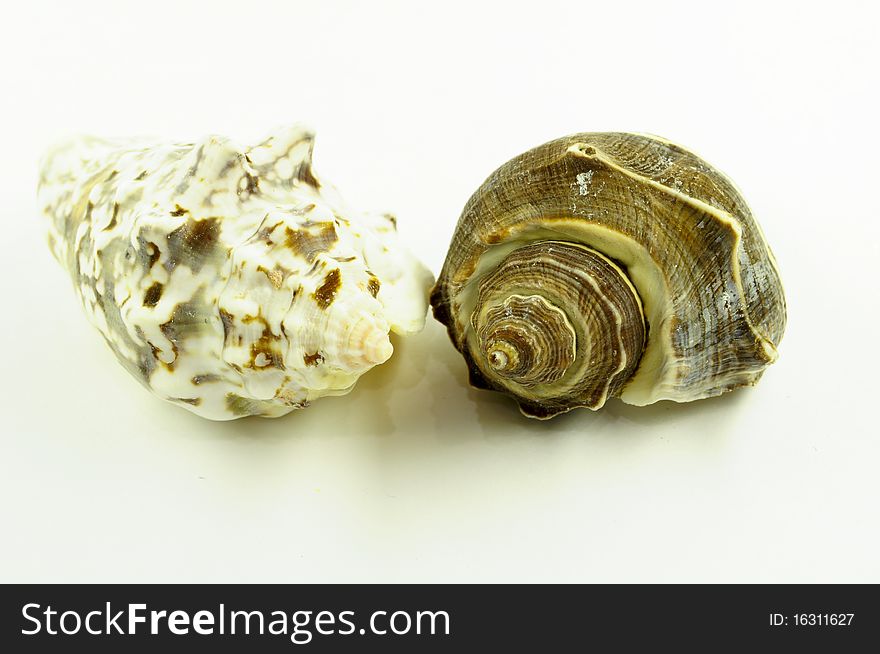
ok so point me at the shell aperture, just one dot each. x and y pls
(228, 280)
(609, 265)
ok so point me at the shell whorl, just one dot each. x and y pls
(609, 264)
(557, 324)
(525, 340)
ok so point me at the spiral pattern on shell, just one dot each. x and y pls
(609, 265)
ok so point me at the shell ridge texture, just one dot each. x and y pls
(709, 309)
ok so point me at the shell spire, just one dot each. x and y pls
(227, 279)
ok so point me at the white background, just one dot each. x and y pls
(414, 476)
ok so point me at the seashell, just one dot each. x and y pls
(228, 280)
(609, 265)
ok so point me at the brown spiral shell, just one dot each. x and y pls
(609, 265)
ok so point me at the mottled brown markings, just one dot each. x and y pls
(286, 397)
(80, 212)
(318, 265)
(264, 345)
(205, 379)
(141, 368)
(373, 286)
(112, 222)
(175, 350)
(326, 292)
(344, 259)
(85, 243)
(141, 177)
(275, 276)
(265, 233)
(304, 173)
(153, 294)
(147, 252)
(301, 172)
(193, 243)
(251, 184)
(272, 358)
(310, 240)
(178, 211)
(229, 165)
(313, 359)
(156, 351)
(228, 321)
(242, 406)
(195, 401)
(187, 320)
(146, 358)
(184, 184)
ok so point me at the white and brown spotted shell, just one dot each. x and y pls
(609, 264)
(228, 280)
